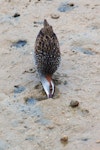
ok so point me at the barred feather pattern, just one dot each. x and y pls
(47, 51)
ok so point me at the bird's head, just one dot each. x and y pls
(48, 85)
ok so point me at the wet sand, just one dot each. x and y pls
(28, 120)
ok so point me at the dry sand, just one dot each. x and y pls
(29, 121)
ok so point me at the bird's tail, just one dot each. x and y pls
(45, 23)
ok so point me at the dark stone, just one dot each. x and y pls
(16, 15)
(64, 140)
(71, 4)
(20, 43)
(74, 104)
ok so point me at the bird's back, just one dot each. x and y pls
(47, 52)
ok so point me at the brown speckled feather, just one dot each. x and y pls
(47, 51)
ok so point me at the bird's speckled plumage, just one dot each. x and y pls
(47, 51)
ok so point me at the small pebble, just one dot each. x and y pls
(71, 4)
(16, 15)
(74, 104)
(64, 140)
(98, 142)
(55, 16)
(50, 127)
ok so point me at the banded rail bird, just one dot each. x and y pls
(47, 57)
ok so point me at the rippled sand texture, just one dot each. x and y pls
(29, 121)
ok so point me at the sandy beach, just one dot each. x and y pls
(28, 120)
